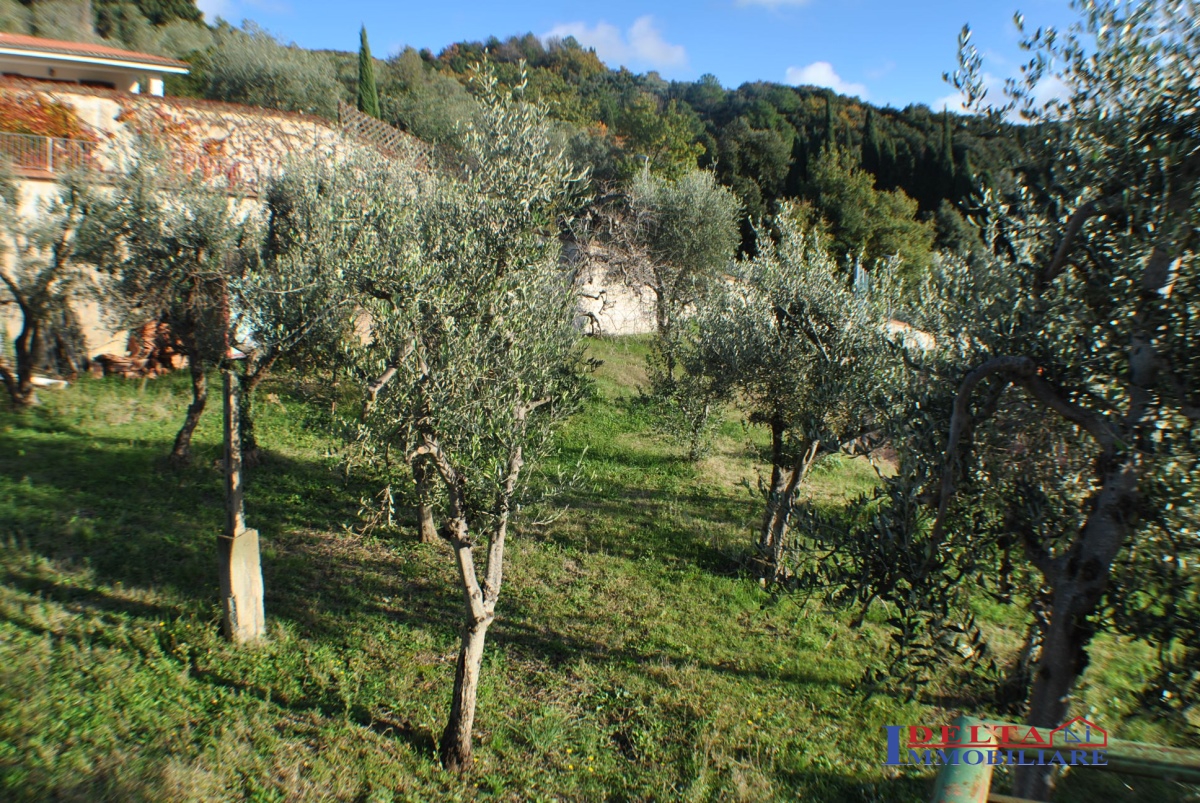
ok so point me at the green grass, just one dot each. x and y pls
(631, 660)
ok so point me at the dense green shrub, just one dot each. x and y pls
(249, 66)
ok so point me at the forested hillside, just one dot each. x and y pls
(764, 140)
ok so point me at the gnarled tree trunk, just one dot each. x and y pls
(479, 598)
(250, 450)
(425, 523)
(1079, 581)
(19, 382)
(181, 452)
(455, 747)
(780, 498)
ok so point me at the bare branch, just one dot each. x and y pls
(374, 387)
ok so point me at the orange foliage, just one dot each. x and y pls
(29, 113)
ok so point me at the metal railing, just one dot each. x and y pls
(32, 152)
(37, 156)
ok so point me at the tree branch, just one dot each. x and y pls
(1189, 408)
(1059, 261)
(456, 531)
(1021, 371)
(960, 421)
(1052, 397)
(495, 560)
(9, 378)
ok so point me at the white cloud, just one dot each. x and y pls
(821, 73)
(1051, 88)
(772, 4)
(954, 102)
(214, 8)
(641, 44)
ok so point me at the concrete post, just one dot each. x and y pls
(960, 781)
(237, 547)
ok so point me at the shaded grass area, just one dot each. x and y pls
(631, 660)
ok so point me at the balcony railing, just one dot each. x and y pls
(34, 156)
(31, 153)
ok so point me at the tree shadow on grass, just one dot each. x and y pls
(631, 522)
(105, 506)
(79, 600)
(108, 505)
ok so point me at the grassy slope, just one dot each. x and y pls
(630, 661)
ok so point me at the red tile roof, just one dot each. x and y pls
(36, 44)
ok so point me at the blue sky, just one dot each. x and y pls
(891, 53)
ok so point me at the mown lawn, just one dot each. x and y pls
(631, 659)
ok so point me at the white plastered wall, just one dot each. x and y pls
(99, 334)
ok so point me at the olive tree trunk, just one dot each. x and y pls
(181, 452)
(455, 747)
(479, 598)
(254, 377)
(18, 380)
(1079, 579)
(664, 326)
(425, 524)
(781, 495)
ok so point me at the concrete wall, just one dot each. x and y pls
(101, 336)
(251, 145)
(608, 306)
(247, 143)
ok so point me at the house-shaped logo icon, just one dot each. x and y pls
(1079, 734)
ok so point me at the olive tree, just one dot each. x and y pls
(327, 223)
(169, 246)
(40, 274)
(797, 350)
(15, 17)
(687, 230)
(1053, 426)
(1115, 295)
(250, 66)
(473, 330)
(672, 238)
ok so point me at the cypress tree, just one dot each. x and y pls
(798, 172)
(964, 179)
(368, 95)
(888, 170)
(946, 158)
(872, 150)
(830, 134)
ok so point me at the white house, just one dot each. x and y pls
(86, 64)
